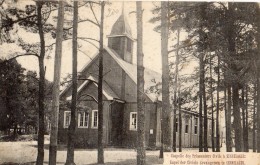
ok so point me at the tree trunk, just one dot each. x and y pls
(15, 131)
(161, 148)
(175, 92)
(165, 79)
(237, 119)
(228, 121)
(174, 123)
(258, 109)
(205, 146)
(72, 126)
(246, 144)
(254, 118)
(212, 107)
(243, 116)
(258, 84)
(200, 105)
(140, 88)
(41, 97)
(180, 121)
(235, 84)
(100, 90)
(56, 86)
(217, 109)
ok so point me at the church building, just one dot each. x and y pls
(119, 99)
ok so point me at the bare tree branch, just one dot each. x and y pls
(94, 2)
(94, 14)
(88, 80)
(88, 20)
(90, 43)
(22, 55)
(86, 38)
(88, 56)
(85, 20)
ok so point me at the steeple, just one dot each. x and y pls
(120, 38)
(123, 8)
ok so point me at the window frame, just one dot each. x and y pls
(177, 124)
(131, 126)
(186, 131)
(93, 121)
(65, 119)
(196, 121)
(83, 113)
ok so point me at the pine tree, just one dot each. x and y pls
(56, 86)
(100, 159)
(140, 88)
(72, 126)
(166, 116)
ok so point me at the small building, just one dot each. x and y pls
(119, 99)
(190, 129)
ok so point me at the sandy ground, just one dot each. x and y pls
(15, 153)
(26, 152)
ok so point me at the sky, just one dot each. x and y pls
(151, 39)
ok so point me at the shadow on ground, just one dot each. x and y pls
(64, 148)
(149, 160)
(153, 160)
(10, 163)
(28, 163)
(46, 147)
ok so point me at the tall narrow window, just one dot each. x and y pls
(67, 118)
(133, 120)
(94, 118)
(176, 124)
(83, 119)
(195, 125)
(129, 45)
(187, 126)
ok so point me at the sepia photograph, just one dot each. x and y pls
(129, 82)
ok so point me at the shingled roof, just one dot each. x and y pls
(151, 78)
(121, 27)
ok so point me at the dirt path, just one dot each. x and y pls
(26, 152)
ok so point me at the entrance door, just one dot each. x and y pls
(116, 131)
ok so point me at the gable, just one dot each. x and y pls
(113, 70)
(88, 87)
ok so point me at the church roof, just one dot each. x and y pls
(121, 27)
(151, 78)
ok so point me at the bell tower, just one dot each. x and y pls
(120, 38)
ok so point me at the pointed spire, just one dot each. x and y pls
(123, 8)
(121, 26)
